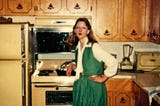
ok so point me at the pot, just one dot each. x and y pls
(61, 71)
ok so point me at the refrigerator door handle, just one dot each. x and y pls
(23, 41)
(23, 77)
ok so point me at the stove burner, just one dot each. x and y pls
(45, 72)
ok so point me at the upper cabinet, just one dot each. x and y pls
(46, 7)
(134, 20)
(19, 7)
(2, 6)
(63, 7)
(79, 6)
(122, 20)
(106, 19)
(155, 22)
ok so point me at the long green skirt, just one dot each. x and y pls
(89, 93)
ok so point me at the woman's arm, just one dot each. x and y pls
(70, 68)
(109, 61)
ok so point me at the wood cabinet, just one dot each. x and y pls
(122, 20)
(135, 20)
(79, 7)
(19, 7)
(106, 19)
(46, 7)
(125, 92)
(63, 7)
(2, 7)
(155, 21)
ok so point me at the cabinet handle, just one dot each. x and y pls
(122, 100)
(77, 6)
(134, 32)
(19, 6)
(106, 32)
(50, 7)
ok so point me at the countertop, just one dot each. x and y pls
(149, 81)
(145, 79)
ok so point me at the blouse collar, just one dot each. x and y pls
(86, 44)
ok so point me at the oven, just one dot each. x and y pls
(51, 94)
(51, 38)
(50, 85)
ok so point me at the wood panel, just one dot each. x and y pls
(134, 20)
(155, 21)
(2, 7)
(50, 6)
(107, 19)
(125, 92)
(18, 7)
(78, 6)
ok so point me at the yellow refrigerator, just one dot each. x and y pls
(15, 65)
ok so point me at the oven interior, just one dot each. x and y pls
(58, 97)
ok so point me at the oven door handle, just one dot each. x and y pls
(51, 86)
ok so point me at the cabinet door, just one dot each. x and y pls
(2, 6)
(109, 98)
(79, 7)
(18, 7)
(49, 7)
(124, 99)
(155, 21)
(134, 23)
(144, 98)
(121, 92)
(107, 20)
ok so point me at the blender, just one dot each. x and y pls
(126, 64)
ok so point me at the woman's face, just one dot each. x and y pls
(81, 30)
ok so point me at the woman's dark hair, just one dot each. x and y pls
(73, 40)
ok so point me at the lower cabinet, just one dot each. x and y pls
(125, 92)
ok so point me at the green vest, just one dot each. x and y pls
(91, 66)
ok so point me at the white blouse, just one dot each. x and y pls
(101, 55)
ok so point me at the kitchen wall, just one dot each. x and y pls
(112, 47)
(117, 47)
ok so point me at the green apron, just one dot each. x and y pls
(85, 91)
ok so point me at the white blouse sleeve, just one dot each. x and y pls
(110, 62)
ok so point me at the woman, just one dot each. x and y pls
(89, 88)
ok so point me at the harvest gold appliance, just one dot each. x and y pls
(50, 85)
(126, 64)
(147, 61)
(49, 88)
(15, 64)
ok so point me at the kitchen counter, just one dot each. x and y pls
(146, 79)
(149, 81)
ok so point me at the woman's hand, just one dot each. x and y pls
(70, 67)
(99, 78)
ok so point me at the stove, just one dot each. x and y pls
(47, 83)
(47, 69)
(50, 75)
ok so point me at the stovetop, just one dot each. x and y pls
(45, 72)
(50, 76)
